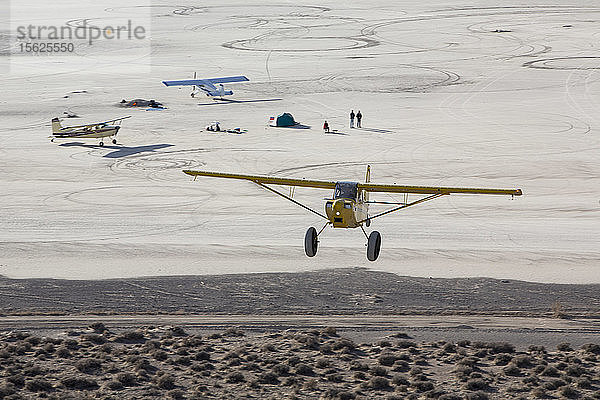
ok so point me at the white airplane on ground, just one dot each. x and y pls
(97, 130)
(208, 86)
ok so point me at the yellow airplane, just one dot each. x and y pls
(349, 207)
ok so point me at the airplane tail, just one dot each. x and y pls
(56, 126)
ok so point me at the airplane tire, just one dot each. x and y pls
(373, 246)
(311, 242)
(114, 141)
(101, 144)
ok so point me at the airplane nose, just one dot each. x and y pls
(338, 206)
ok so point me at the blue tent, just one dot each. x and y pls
(285, 119)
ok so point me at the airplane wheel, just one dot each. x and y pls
(101, 144)
(114, 141)
(311, 242)
(368, 223)
(373, 246)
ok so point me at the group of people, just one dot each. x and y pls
(358, 117)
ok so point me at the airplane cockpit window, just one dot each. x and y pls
(345, 190)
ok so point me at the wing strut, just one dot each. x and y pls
(433, 196)
(292, 200)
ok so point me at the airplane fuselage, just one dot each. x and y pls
(99, 132)
(347, 209)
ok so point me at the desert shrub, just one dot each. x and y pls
(293, 360)
(569, 392)
(574, 370)
(469, 361)
(126, 378)
(114, 385)
(398, 380)
(235, 377)
(79, 383)
(591, 348)
(252, 366)
(378, 371)
(159, 355)
(379, 382)
(477, 396)
(280, 369)
(322, 363)
(329, 331)
(177, 331)
(512, 370)
(401, 366)
(183, 360)
(536, 349)
(422, 386)
(360, 375)
(334, 377)
(584, 383)
(415, 371)
(291, 381)
(502, 359)
(501, 347)
(166, 381)
(16, 379)
(387, 359)
(538, 393)
(234, 332)
(94, 338)
(176, 394)
(326, 349)
(384, 343)
(554, 384)
(343, 344)
(202, 356)
(38, 385)
(523, 361)
(346, 396)
(130, 337)
(550, 371)
(88, 365)
(476, 384)
(405, 344)
(450, 396)
(311, 384)
(268, 347)
(531, 380)
(564, 346)
(463, 370)
(359, 366)
(303, 369)
(98, 327)
(449, 348)
(63, 352)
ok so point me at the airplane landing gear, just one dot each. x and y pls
(311, 242)
(101, 144)
(114, 141)
(373, 246)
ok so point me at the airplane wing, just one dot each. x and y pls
(95, 123)
(266, 180)
(205, 82)
(370, 187)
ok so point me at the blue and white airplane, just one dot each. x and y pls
(208, 86)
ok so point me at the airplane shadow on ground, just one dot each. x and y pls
(120, 151)
(229, 101)
(375, 130)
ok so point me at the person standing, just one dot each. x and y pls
(326, 127)
(352, 119)
(358, 119)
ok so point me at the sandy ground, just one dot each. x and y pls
(452, 93)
